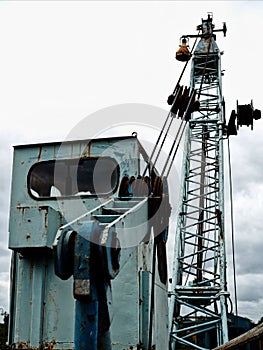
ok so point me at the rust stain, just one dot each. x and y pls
(88, 149)
(39, 153)
(86, 152)
(43, 346)
(91, 318)
(46, 220)
(22, 209)
(43, 207)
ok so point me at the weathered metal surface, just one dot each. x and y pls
(23, 215)
(45, 346)
(43, 305)
(81, 288)
(35, 225)
(251, 335)
(144, 303)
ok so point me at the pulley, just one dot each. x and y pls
(109, 251)
(105, 244)
(140, 187)
(245, 115)
(64, 254)
(124, 187)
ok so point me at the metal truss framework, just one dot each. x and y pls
(199, 293)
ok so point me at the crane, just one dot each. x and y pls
(199, 272)
(198, 299)
(93, 216)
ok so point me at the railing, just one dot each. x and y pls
(81, 217)
(120, 218)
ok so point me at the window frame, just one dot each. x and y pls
(72, 196)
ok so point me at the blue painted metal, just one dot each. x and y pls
(199, 291)
(86, 289)
(43, 309)
(93, 265)
(145, 308)
(86, 325)
(112, 251)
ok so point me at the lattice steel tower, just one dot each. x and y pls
(198, 317)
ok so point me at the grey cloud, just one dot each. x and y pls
(247, 160)
(249, 258)
(250, 288)
(3, 251)
(4, 290)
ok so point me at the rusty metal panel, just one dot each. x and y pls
(125, 304)
(35, 227)
(33, 221)
(43, 305)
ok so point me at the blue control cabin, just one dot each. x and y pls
(84, 266)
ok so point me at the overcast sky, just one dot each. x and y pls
(62, 61)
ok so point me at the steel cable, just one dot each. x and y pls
(176, 91)
(232, 226)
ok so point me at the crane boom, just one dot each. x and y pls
(199, 289)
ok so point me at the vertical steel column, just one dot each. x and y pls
(85, 291)
(199, 293)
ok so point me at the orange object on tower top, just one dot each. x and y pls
(183, 54)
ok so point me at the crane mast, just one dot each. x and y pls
(199, 288)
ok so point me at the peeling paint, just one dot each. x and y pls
(43, 346)
(34, 223)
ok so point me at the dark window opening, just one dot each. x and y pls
(97, 176)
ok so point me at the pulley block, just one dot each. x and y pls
(109, 248)
(64, 254)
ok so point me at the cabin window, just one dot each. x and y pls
(97, 176)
